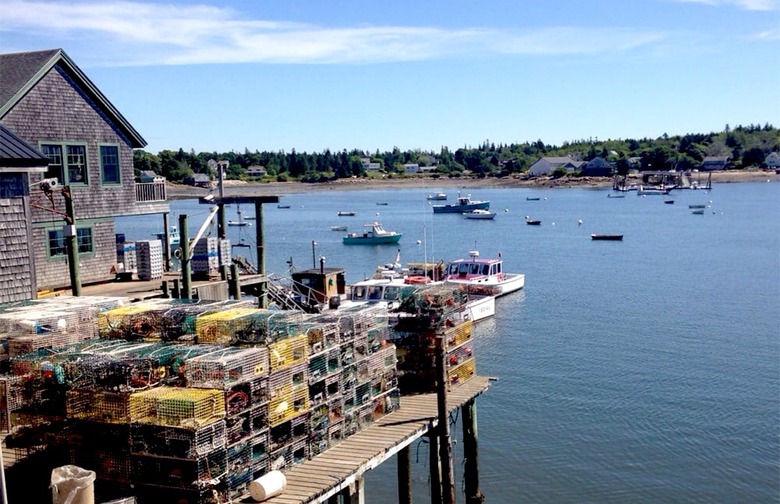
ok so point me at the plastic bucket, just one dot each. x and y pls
(268, 485)
(71, 484)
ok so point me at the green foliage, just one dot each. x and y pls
(746, 145)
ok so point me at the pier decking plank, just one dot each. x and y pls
(325, 475)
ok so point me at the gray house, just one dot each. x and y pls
(597, 167)
(548, 165)
(712, 163)
(48, 103)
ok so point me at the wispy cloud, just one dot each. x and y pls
(752, 5)
(154, 34)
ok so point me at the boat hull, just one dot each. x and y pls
(483, 205)
(511, 283)
(480, 307)
(606, 237)
(371, 240)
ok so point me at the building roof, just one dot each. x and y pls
(20, 72)
(16, 153)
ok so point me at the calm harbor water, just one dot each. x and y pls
(640, 371)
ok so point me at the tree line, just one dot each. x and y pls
(746, 146)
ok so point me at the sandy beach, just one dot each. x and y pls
(240, 188)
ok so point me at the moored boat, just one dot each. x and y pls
(173, 236)
(483, 276)
(606, 237)
(532, 198)
(440, 196)
(346, 213)
(697, 211)
(463, 204)
(479, 213)
(374, 235)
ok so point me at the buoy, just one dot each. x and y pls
(579, 222)
(419, 242)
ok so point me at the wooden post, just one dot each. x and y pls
(235, 282)
(445, 447)
(186, 263)
(470, 452)
(433, 461)
(72, 242)
(167, 242)
(262, 295)
(404, 476)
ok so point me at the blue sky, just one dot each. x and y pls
(309, 75)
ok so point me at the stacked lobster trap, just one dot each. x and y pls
(430, 318)
(188, 402)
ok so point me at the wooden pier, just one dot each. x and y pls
(335, 473)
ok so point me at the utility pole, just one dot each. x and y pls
(72, 243)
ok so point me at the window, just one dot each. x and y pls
(54, 153)
(109, 164)
(67, 168)
(84, 239)
(57, 243)
(77, 164)
(59, 248)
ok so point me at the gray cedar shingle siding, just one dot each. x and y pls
(16, 272)
(45, 97)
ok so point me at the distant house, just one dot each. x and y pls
(198, 180)
(150, 176)
(597, 167)
(712, 163)
(548, 165)
(773, 161)
(369, 166)
(411, 168)
(49, 103)
(256, 171)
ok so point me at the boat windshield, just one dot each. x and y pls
(392, 293)
(358, 293)
(374, 293)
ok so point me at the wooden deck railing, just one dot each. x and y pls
(150, 191)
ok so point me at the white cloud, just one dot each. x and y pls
(135, 33)
(752, 5)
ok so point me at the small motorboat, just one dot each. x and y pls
(381, 203)
(282, 206)
(463, 204)
(346, 213)
(440, 196)
(696, 207)
(616, 195)
(338, 228)
(240, 223)
(697, 211)
(532, 222)
(669, 202)
(479, 214)
(532, 198)
(607, 237)
(375, 235)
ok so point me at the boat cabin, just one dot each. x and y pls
(475, 268)
(319, 286)
(381, 290)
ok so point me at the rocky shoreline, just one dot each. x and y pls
(240, 188)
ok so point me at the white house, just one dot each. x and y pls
(369, 166)
(256, 171)
(773, 161)
(547, 165)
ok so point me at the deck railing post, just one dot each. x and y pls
(435, 467)
(445, 446)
